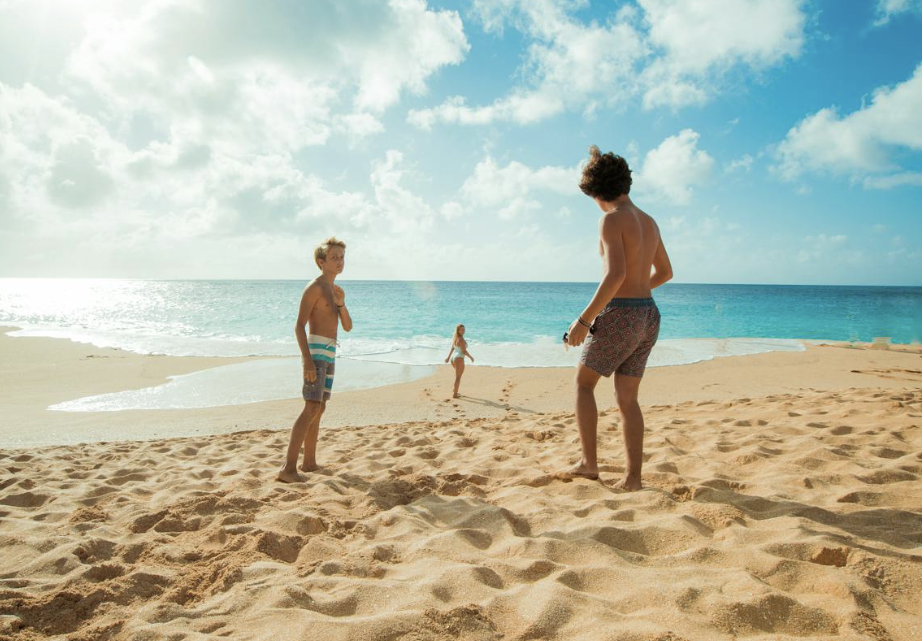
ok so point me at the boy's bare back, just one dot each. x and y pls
(641, 242)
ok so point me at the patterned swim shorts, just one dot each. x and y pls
(323, 355)
(624, 334)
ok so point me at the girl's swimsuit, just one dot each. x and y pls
(457, 352)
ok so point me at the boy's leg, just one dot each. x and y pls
(633, 428)
(288, 473)
(309, 463)
(586, 412)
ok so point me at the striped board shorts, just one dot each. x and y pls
(323, 352)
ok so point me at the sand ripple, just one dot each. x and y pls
(791, 516)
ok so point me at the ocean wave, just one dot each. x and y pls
(423, 350)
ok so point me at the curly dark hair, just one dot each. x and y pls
(606, 176)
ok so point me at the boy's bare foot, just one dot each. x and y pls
(456, 395)
(305, 467)
(287, 476)
(577, 472)
(630, 484)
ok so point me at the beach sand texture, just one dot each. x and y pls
(794, 515)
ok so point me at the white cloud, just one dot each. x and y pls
(63, 173)
(508, 190)
(740, 164)
(270, 79)
(452, 210)
(522, 107)
(567, 65)
(674, 54)
(671, 170)
(175, 127)
(675, 223)
(858, 144)
(891, 181)
(707, 34)
(888, 9)
(820, 246)
(700, 41)
(359, 125)
(50, 153)
(405, 211)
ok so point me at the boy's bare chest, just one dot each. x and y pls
(325, 305)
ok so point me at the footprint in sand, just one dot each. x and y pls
(893, 373)
(505, 393)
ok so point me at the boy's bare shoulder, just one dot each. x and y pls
(313, 286)
(611, 222)
(311, 293)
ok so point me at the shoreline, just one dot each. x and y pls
(36, 373)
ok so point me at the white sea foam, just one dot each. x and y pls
(275, 379)
(242, 383)
(141, 342)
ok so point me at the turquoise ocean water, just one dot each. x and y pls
(402, 329)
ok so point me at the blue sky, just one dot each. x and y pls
(775, 141)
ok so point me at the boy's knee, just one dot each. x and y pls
(626, 400)
(583, 386)
(312, 407)
(585, 381)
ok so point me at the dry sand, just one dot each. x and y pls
(783, 501)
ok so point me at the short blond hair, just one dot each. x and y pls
(320, 252)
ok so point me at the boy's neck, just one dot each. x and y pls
(327, 278)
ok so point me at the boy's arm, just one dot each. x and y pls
(661, 266)
(346, 321)
(309, 299)
(614, 260)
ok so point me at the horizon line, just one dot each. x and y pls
(399, 280)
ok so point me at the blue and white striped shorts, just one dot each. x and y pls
(323, 352)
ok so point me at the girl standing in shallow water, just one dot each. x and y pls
(457, 353)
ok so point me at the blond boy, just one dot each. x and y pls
(323, 309)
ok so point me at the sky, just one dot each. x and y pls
(774, 141)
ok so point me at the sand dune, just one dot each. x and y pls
(789, 516)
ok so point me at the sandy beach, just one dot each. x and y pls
(783, 501)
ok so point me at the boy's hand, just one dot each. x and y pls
(339, 295)
(309, 373)
(576, 333)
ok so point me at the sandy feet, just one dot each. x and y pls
(289, 476)
(577, 472)
(628, 484)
